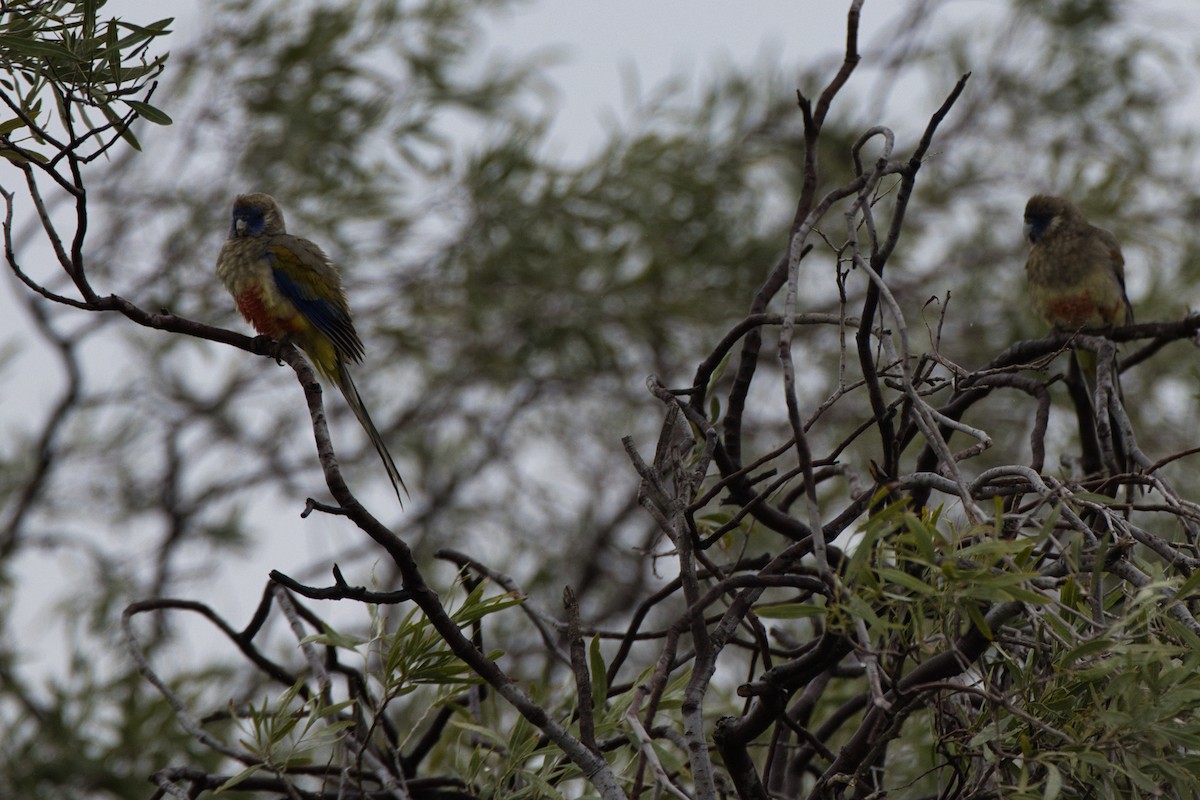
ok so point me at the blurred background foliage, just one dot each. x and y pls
(513, 302)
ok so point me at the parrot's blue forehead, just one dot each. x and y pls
(248, 220)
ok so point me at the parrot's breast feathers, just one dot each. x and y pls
(253, 304)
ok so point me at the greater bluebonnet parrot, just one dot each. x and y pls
(287, 288)
(1076, 271)
(1076, 277)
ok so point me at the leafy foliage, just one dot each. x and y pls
(64, 51)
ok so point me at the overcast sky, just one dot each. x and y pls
(605, 45)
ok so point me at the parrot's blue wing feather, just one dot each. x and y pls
(329, 317)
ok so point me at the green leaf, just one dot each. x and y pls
(142, 33)
(476, 609)
(135, 73)
(332, 709)
(902, 578)
(22, 156)
(38, 48)
(1084, 650)
(332, 638)
(11, 125)
(112, 46)
(1054, 783)
(1051, 521)
(718, 373)
(599, 672)
(1022, 595)
(236, 779)
(149, 112)
(1092, 497)
(922, 537)
(1069, 594)
(860, 608)
(977, 617)
(790, 611)
(1189, 586)
(121, 127)
(89, 18)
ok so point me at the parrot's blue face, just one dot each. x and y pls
(1038, 218)
(248, 221)
(1036, 224)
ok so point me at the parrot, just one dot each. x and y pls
(1076, 275)
(1076, 271)
(287, 289)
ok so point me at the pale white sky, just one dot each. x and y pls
(608, 47)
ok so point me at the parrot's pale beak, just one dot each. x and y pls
(239, 227)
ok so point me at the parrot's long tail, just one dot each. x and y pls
(1085, 361)
(350, 392)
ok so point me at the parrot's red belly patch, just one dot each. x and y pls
(254, 309)
(1081, 311)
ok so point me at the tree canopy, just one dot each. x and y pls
(740, 467)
